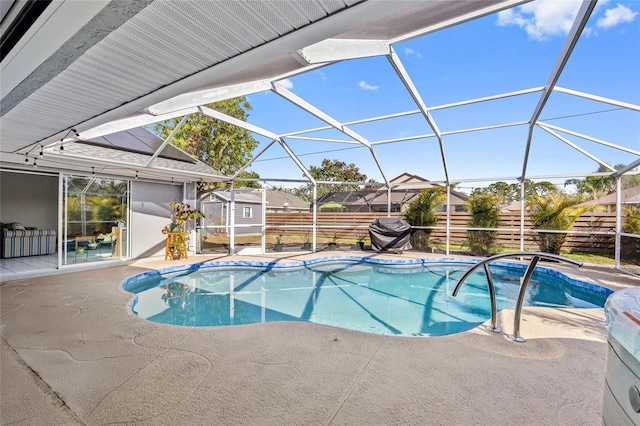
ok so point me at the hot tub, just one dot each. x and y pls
(621, 405)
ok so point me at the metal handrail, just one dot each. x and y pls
(523, 286)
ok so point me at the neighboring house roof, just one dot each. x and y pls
(239, 196)
(415, 181)
(628, 196)
(277, 198)
(380, 197)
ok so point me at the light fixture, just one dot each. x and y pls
(136, 174)
(35, 166)
(93, 172)
(26, 158)
(61, 140)
(41, 151)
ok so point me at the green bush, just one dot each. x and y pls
(485, 213)
(423, 211)
(555, 212)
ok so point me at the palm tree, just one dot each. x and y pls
(555, 212)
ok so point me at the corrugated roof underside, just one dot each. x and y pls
(172, 40)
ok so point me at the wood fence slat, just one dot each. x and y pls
(347, 225)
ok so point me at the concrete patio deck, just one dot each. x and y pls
(73, 353)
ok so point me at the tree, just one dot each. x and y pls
(507, 193)
(423, 211)
(332, 171)
(485, 213)
(594, 187)
(555, 212)
(221, 145)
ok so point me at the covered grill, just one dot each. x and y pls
(390, 234)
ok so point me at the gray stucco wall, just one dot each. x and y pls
(150, 212)
(29, 199)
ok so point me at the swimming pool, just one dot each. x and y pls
(405, 298)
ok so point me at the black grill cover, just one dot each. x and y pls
(388, 233)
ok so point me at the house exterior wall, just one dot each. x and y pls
(150, 212)
(29, 199)
(255, 219)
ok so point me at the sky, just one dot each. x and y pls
(508, 51)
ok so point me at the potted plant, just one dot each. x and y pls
(334, 243)
(360, 236)
(306, 240)
(177, 237)
(278, 245)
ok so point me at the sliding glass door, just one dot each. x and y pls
(94, 219)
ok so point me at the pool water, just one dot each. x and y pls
(403, 299)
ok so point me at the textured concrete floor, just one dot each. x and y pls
(73, 353)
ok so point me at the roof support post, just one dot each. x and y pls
(411, 88)
(618, 221)
(572, 39)
(448, 224)
(315, 215)
(522, 194)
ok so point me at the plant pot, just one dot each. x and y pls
(277, 247)
(333, 246)
(360, 245)
(306, 246)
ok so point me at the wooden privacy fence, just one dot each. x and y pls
(347, 225)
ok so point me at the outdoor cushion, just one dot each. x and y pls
(28, 243)
(17, 226)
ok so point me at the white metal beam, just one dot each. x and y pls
(239, 123)
(589, 138)
(258, 130)
(296, 100)
(411, 88)
(577, 148)
(131, 122)
(167, 140)
(203, 97)
(332, 50)
(572, 39)
(602, 99)
(628, 168)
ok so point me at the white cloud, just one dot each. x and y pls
(615, 16)
(410, 52)
(542, 19)
(366, 86)
(286, 83)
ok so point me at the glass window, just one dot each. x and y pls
(247, 212)
(95, 214)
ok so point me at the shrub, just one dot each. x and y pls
(423, 211)
(485, 213)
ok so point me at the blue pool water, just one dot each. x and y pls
(409, 298)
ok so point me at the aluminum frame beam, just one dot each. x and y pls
(258, 130)
(333, 50)
(582, 17)
(301, 103)
(577, 148)
(411, 88)
(203, 97)
(602, 99)
(167, 140)
(589, 138)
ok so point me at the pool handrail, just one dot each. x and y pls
(523, 286)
